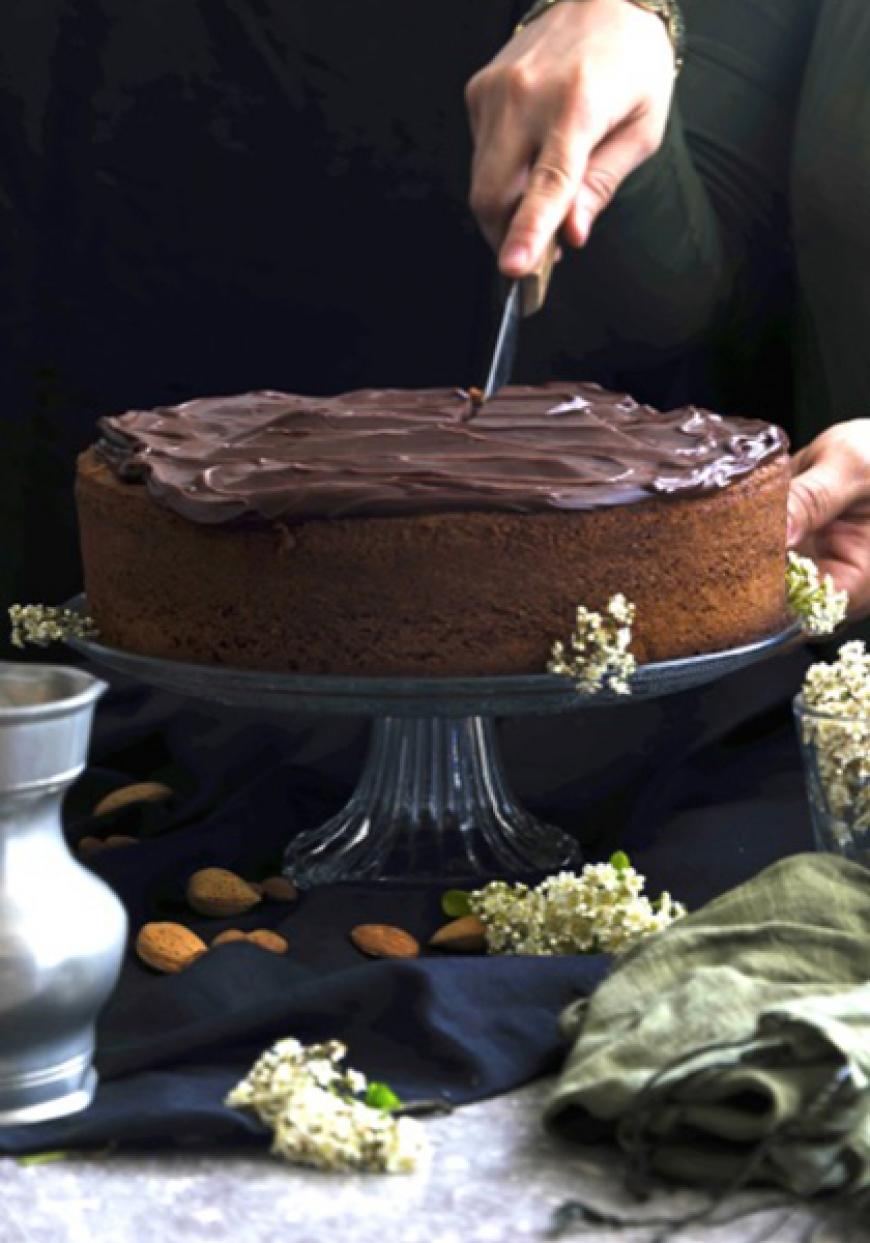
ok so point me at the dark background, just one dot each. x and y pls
(201, 196)
(207, 196)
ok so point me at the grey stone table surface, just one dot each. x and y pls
(493, 1175)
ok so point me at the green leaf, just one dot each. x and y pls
(42, 1158)
(381, 1096)
(620, 860)
(455, 903)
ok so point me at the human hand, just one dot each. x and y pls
(829, 508)
(566, 110)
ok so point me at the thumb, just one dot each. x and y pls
(815, 498)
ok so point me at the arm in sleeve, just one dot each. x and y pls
(692, 258)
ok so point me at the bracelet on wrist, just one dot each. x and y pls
(668, 10)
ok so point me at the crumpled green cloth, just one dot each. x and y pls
(741, 1033)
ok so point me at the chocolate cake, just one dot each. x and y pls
(390, 532)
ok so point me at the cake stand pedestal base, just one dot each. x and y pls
(432, 804)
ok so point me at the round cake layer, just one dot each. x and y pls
(263, 457)
(439, 593)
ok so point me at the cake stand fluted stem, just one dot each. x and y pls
(432, 803)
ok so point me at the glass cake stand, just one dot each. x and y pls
(432, 801)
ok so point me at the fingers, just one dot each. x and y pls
(847, 559)
(579, 75)
(849, 578)
(570, 185)
(829, 508)
(498, 179)
(828, 476)
(552, 186)
(815, 498)
(609, 164)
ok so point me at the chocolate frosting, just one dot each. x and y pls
(278, 457)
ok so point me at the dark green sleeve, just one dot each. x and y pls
(831, 204)
(688, 272)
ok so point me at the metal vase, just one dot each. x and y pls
(62, 930)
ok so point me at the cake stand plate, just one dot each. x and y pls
(432, 802)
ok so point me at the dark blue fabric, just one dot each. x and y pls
(697, 819)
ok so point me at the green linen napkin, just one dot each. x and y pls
(736, 1045)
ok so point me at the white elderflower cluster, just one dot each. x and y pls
(597, 653)
(318, 1128)
(43, 624)
(315, 1110)
(815, 601)
(603, 909)
(837, 730)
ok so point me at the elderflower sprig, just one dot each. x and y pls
(834, 723)
(42, 624)
(603, 909)
(597, 654)
(324, 1116)
(814, 600)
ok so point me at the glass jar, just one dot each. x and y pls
(835, 749)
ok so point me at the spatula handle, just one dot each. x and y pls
(533, 288)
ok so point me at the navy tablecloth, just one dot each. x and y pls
(703, 790)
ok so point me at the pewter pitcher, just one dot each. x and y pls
(62, 930)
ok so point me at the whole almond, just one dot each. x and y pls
(268, 940)
(114, 840)
(217, 891)
(228, 936)
(279, 889)
(462, 936)
(168, 947)
(139, 792)
(89, 845)
(384, 941)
